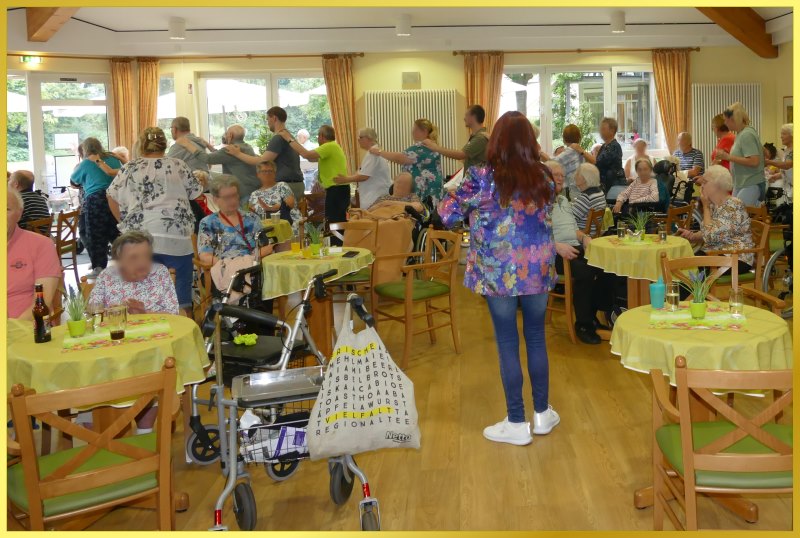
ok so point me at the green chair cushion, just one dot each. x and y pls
(669, 441)
(776, 244)
(743, 277)
(18, 493)
(421, 289)
(362, 275)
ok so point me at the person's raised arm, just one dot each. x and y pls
(780, 165)
(250, 159)
(587, 156)
(398, 158)
(357, 178)
(309, 155)
(456, 154)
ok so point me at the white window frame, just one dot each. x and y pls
(24, 75)
(655, 116)
(202, 94)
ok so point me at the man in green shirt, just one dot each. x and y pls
(332, 163)
(474, 151)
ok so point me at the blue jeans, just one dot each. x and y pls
(504, 317)
(750, 195)
(183, 275)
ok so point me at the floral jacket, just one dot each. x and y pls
(426, 169)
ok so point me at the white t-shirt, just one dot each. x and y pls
(379, 179)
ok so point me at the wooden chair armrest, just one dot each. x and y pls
(12, 447)
(430, 265)
(774, 302)
(396, 256)
(661, 393)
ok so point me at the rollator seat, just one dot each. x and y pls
(266, 352)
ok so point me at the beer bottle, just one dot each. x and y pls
(41, 317)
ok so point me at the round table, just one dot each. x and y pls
(282, 230)
(765, 344)
(640, 261)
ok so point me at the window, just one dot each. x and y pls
(18, 151)
(521, 91)
(167, 102)
(230, 101)
(636, 112)
(578, 98)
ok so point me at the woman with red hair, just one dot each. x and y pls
(511, 262)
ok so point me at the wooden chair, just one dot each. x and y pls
(594, 220)
(758, 213)
(422, 282)
(760, 232)
(362, 234)
(312, 207)
(67, 239)
(566, 297)
(108, 471)
(203, 283)
(733, 455)
(40, 226)
(680, 217)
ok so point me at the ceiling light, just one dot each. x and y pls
(177, 28)
(403, 26)
(30, 59)
(617, 22)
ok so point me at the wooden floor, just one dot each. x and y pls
(581, 476)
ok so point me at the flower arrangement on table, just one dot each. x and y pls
(75, 306)
(698, 286)
(638, 221)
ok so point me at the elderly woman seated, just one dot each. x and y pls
(134, 280)
(593, 288)
(591, 196)
(643, 189)
(273, 197)
(726, 225)
(400, 196)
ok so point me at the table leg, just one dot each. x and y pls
(638, 292)
(104, 416)
(320, 323)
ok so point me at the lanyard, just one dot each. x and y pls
(241, 227)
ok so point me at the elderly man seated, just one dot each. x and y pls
(32, 259)
(36, 207)
(400, 196)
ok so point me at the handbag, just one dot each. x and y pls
(365, 402)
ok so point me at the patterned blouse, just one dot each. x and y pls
(512, 251)
(231, 244)
(153, 195)
(426, 169)
(729, 229)
(156, 290)
(272, 196)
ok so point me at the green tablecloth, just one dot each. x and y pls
(635, 259)
(765, 345)
(49, 367)
(282, 232)
(289, 272)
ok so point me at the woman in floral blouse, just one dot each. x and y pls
(274, 197)
(511, 261)
(726, 225)
(424, 164)
(152, 194)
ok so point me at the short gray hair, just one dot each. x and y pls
(788, 128)
(612, 124)
(590, 174)
(369, 132)
(223, 182)
(132, 237)
(551, 164)
(719, 176)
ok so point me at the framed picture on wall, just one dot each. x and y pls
(788, 109)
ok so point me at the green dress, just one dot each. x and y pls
(426, 169)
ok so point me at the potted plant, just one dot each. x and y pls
(75, 306)
(698, 286)
(314, 239)
(638, 221)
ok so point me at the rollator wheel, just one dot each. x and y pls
(342, 481)
(199, 452)
(281, 470)
(244, 506)
(369, 520)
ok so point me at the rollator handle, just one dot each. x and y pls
(319, 283)
(247, 314)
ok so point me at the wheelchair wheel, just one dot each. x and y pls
(778, 280)
(200, 452)
(341, 485)
(244, 506)
(281, 470)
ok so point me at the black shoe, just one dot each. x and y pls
(599, 325)
(587, 335)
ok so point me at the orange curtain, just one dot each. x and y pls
(338, 72)
(148, 92)
(483, 74)
(122, 92)
(671, 73)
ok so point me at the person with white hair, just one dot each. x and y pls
(122, 153)
(726, 225)
(746, 157)
(786, 165)
(373, 177)
(587, 179)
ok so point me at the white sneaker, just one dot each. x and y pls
(544, 422)
(94, 273)
(514, 433)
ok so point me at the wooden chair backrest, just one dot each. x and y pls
(715, 266)
(680, 216)
(700, 383)
(66, 479)
(757, 213)
(760, 230)
(39, 226)
(67, 229)
(448, 249)
(594, 219)
(312, 207)
(360, 233)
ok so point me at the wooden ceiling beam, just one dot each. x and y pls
(44, 22)
(745, 25)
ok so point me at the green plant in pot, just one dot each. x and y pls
(75, 306)
(638, 221)
(698, 286)
(314, 239)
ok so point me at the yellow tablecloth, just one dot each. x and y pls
(289, 272)
(282, 232)
(47, 367)
(635, 260)
(765, 345)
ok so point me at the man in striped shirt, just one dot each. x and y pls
(691, 158)
(35, 201)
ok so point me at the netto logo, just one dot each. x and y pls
(398, 437)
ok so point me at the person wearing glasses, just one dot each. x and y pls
(746, 157)
(373, 177)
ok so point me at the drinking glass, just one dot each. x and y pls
(673, 296)
(295, 245)
(621, 232)
(736, 302)
(662, 233)
(94, 316)
(276, 217)
(116, 318)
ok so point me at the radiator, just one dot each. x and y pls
(392, 115)
(708, 100)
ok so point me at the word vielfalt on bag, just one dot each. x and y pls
(359, 414)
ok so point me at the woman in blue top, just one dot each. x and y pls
(94, 174)
(424, 164)
(511, 262)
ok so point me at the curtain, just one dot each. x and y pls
(671, 73)
(122, 92)
(148, 92)
(483, 75)
(338, 72)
